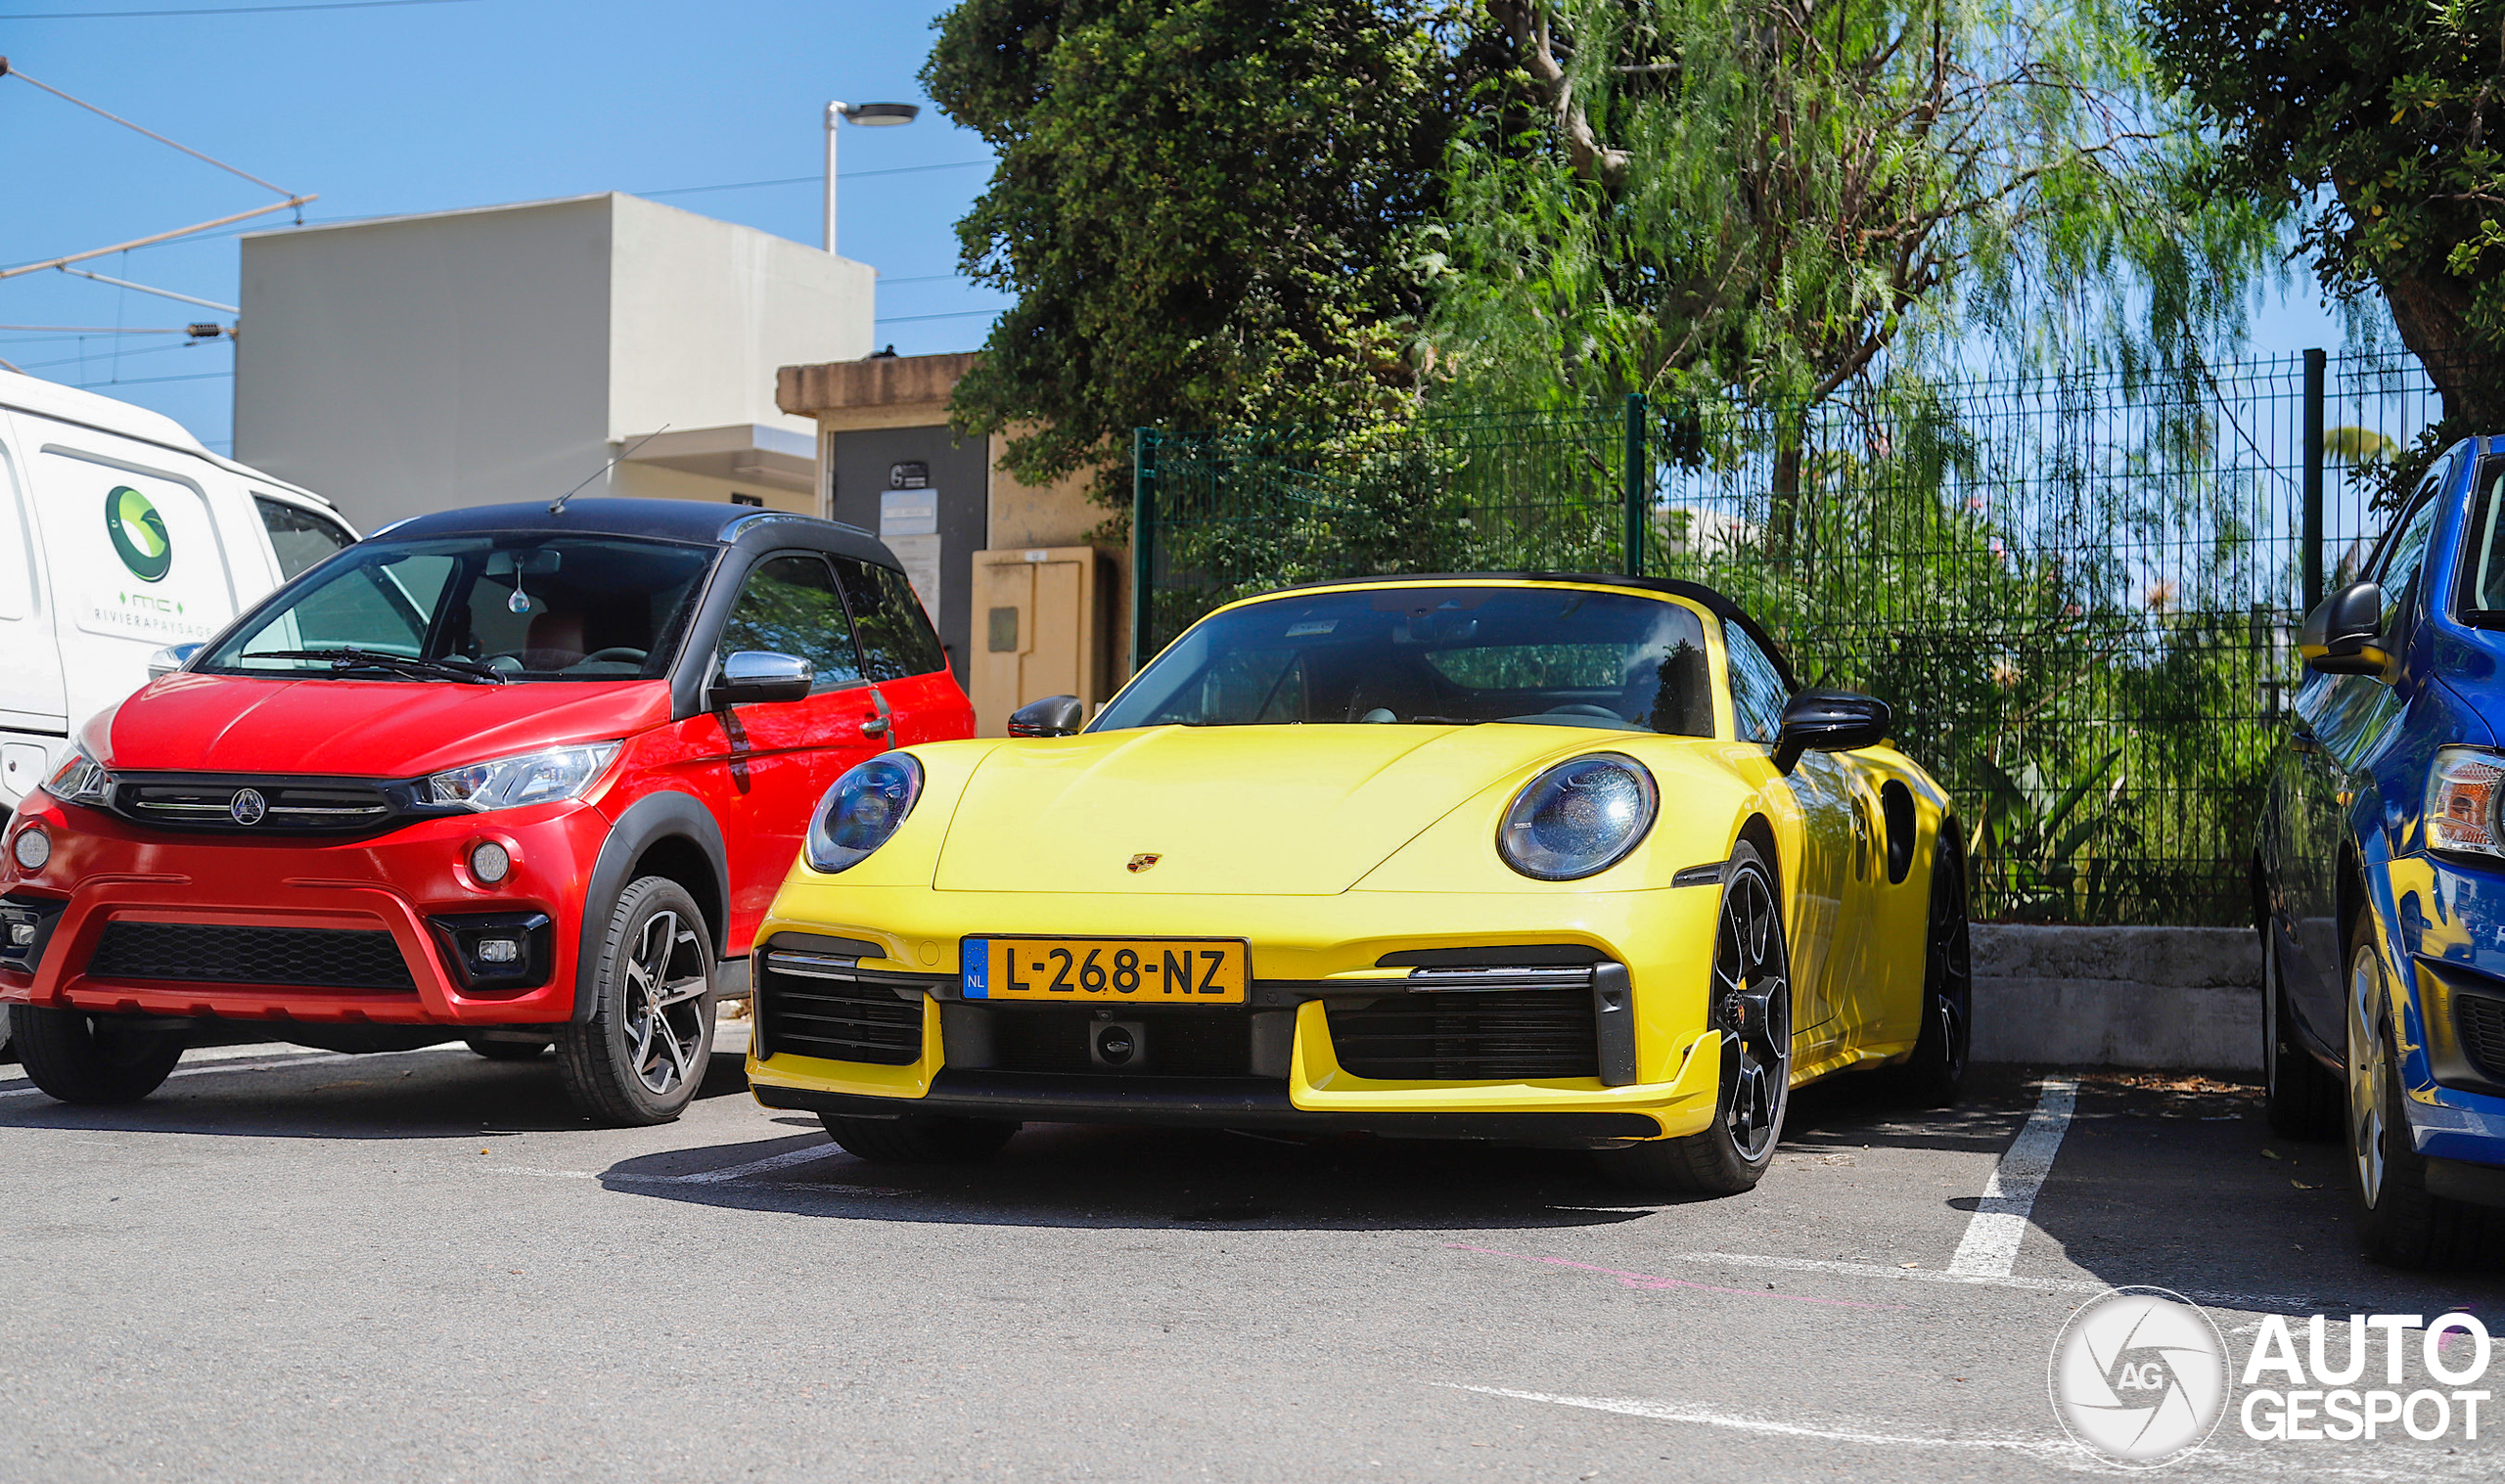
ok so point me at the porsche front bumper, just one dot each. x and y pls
(861, 1013)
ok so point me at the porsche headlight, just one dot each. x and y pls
(79, 779)
(1578, 818)
(533, 778)
(2463, 791)
(862, 810)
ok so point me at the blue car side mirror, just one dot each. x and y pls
(2345, 636)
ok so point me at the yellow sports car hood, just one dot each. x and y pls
(1285, 811)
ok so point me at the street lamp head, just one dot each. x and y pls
(880, 114)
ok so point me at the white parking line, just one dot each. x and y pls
(784, 1160)
(231, 1058)
(1990, 1246)
(1880, 1270)
(2050, 1450)
(2058, 1451)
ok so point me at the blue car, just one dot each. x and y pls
(2379, 876)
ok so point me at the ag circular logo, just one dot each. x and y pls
(249, 806)
(139, 534)
(2140, 1376)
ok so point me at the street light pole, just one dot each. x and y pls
(866, 114)
(834, 116)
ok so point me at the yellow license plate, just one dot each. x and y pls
(1115, 970)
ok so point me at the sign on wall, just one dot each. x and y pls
(910, 524)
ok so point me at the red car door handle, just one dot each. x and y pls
(876, 726)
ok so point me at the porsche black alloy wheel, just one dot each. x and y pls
(1936, 1071)
(2300, 1096)
(919, 1137)
(1751, 998)
(643, 1052)
(81, 1058)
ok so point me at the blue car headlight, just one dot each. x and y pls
(1578, 818)
(2463, 791)
(862, 810)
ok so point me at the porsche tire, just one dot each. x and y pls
(80, 1057)
(1751, 1003)
(2299, 1097)
(919, 1137)
(2401, 1223)
(641, 1057)
(1936, 1073)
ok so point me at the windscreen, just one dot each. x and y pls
(2483, 586)
(1438, 655)
(510, 606)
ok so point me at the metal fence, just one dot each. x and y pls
(2078, 591)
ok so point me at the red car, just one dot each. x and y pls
(514, 774)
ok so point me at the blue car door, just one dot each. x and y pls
(2343, 723)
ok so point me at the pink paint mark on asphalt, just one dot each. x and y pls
(1648, 1280)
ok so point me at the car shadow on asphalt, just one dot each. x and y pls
(2176, 1180)
(442, 1092)
(1079, 1176)
(1068, 1175)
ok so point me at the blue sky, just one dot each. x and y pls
(420, 108)
(463, 103)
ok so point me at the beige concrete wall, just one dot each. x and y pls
(704, 312)
(913, 392)
(421, 363)
(645, 481)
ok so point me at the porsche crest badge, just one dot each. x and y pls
(1142, 862)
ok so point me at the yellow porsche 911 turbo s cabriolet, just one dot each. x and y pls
(1555, 860)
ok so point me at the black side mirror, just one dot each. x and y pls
(2345, 636)
(1830, 721)
(1051, 716)
(753, 675)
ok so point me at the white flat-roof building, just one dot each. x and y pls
(418, 363)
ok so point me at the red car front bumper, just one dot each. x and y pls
(106, 871)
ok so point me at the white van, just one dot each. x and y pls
(119, 536)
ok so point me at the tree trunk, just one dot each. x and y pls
(2431, 317)
(1787, 485)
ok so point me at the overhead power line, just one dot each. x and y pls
(231, 10)
(813, 180)
(962, 314)
(123, 283)
(7, 70)
(297, 202)
(102, 329)
(206, 375)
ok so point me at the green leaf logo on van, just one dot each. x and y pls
(139, 534)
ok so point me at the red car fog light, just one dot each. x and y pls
(490, 862)
(496, 950)
(33, 848)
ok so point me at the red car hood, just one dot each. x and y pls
(359, 728)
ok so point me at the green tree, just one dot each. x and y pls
(1773, 198)
(1199, 205)
(2365, 122)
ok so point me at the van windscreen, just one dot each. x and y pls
(515, 606)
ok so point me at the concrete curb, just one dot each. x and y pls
(2184, 997)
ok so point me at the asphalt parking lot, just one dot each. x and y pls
(291, 1266)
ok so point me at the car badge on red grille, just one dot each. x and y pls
(1142, 862)
(249, 806)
